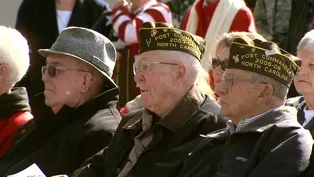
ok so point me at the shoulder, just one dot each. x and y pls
(21, 117)
(105, 119)
(29, 2)
(289, 131)
(295, 101)
(210, 106)
(29, 6)
(245, 12)
(210, 119)
(132, 117)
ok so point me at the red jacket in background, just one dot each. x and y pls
(8, 127)
(243, 21)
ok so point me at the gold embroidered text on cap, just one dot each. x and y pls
(163, 36)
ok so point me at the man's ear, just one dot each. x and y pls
(87, 81)
(181, 71)
(267, 92)
(4, 71)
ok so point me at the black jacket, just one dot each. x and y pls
(37, 21)
(70, 137)
(299, 103)
(274, 145)
(172, 140)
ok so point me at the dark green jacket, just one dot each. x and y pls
(172, 141)
(274, 145)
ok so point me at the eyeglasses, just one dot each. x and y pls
(54, 70)
(229, 80)
(216, 62)
(145, 66)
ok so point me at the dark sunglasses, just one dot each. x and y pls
(216, 62)
(54, 70)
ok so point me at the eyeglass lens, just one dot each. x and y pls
(143, 66)
(216, 62)
(52, 70)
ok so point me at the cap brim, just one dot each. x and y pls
(46, 52)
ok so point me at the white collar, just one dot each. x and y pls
(308, 115)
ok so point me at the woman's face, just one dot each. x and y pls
(222, 54)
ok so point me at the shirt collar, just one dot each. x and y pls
(173, 120)
(243, 123)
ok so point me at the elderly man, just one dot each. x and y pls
(79, 89)
(155, 140)
(128, 17)
(14, 107)
(263, 137)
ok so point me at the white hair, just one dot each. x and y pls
(14, 52)
(193, 65)
(197, 75)
(307, 41)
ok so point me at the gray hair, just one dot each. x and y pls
(14, 52)
(279, 90)
(197, 75)
(307, 41)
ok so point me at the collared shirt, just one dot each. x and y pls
(245, 122)
(141, 141)
(308, 115)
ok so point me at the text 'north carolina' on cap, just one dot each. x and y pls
(163, 36)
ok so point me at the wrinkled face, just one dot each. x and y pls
(65, 87)
(304, 81)
(156, 81)
(238, 93)
(222, 54)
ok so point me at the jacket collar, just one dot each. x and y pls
(106, 99)
(190, 103)
(280, 114)
(284, 115)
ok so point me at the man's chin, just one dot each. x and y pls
(49, 103)
(56, 109)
